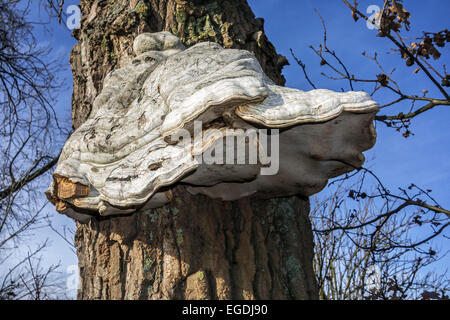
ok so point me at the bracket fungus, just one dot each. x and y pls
(209, 118)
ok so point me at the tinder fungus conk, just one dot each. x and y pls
(194, 116)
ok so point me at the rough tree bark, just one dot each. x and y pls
(195, 247)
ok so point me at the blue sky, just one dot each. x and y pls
(422, 158)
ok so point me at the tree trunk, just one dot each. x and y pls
(195, 247)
